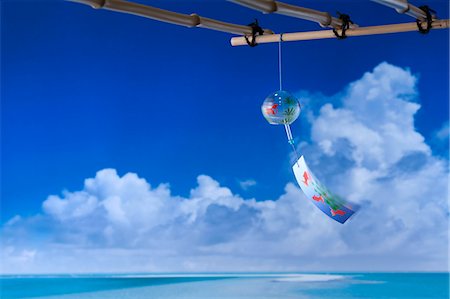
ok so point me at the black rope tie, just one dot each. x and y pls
(256, 30)
(344, 27)
(429, 19)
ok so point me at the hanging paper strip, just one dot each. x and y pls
(329, 203)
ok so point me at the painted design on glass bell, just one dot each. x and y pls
(281, 108)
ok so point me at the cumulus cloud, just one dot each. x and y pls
(364, 145)
(376, 119)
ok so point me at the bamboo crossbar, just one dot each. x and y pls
(192, 20)
(322, 34)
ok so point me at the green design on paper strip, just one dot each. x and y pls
(332, 200)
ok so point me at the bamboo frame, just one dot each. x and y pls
(166, 16)
(322, 34)
(269, 6)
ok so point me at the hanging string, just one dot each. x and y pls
(291, 141)
(279, 60)
(296, 154)
(286, 126)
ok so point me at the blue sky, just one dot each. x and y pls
(85, 90)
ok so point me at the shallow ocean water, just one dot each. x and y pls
(354, 285)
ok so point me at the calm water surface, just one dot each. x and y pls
(354, 285)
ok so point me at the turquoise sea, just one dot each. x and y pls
(267, 285)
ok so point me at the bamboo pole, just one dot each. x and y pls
(322, 34)
(166, 16)
(269, 6)
(403, 7)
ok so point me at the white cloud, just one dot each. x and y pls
(444, 132)
(376, 118)
(366, 148)
(246, 184)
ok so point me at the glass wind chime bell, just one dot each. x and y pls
(282, 108)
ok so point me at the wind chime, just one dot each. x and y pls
(283, 108)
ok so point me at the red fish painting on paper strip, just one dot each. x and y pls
(305, 178)
(318, 198)
(332, 205)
